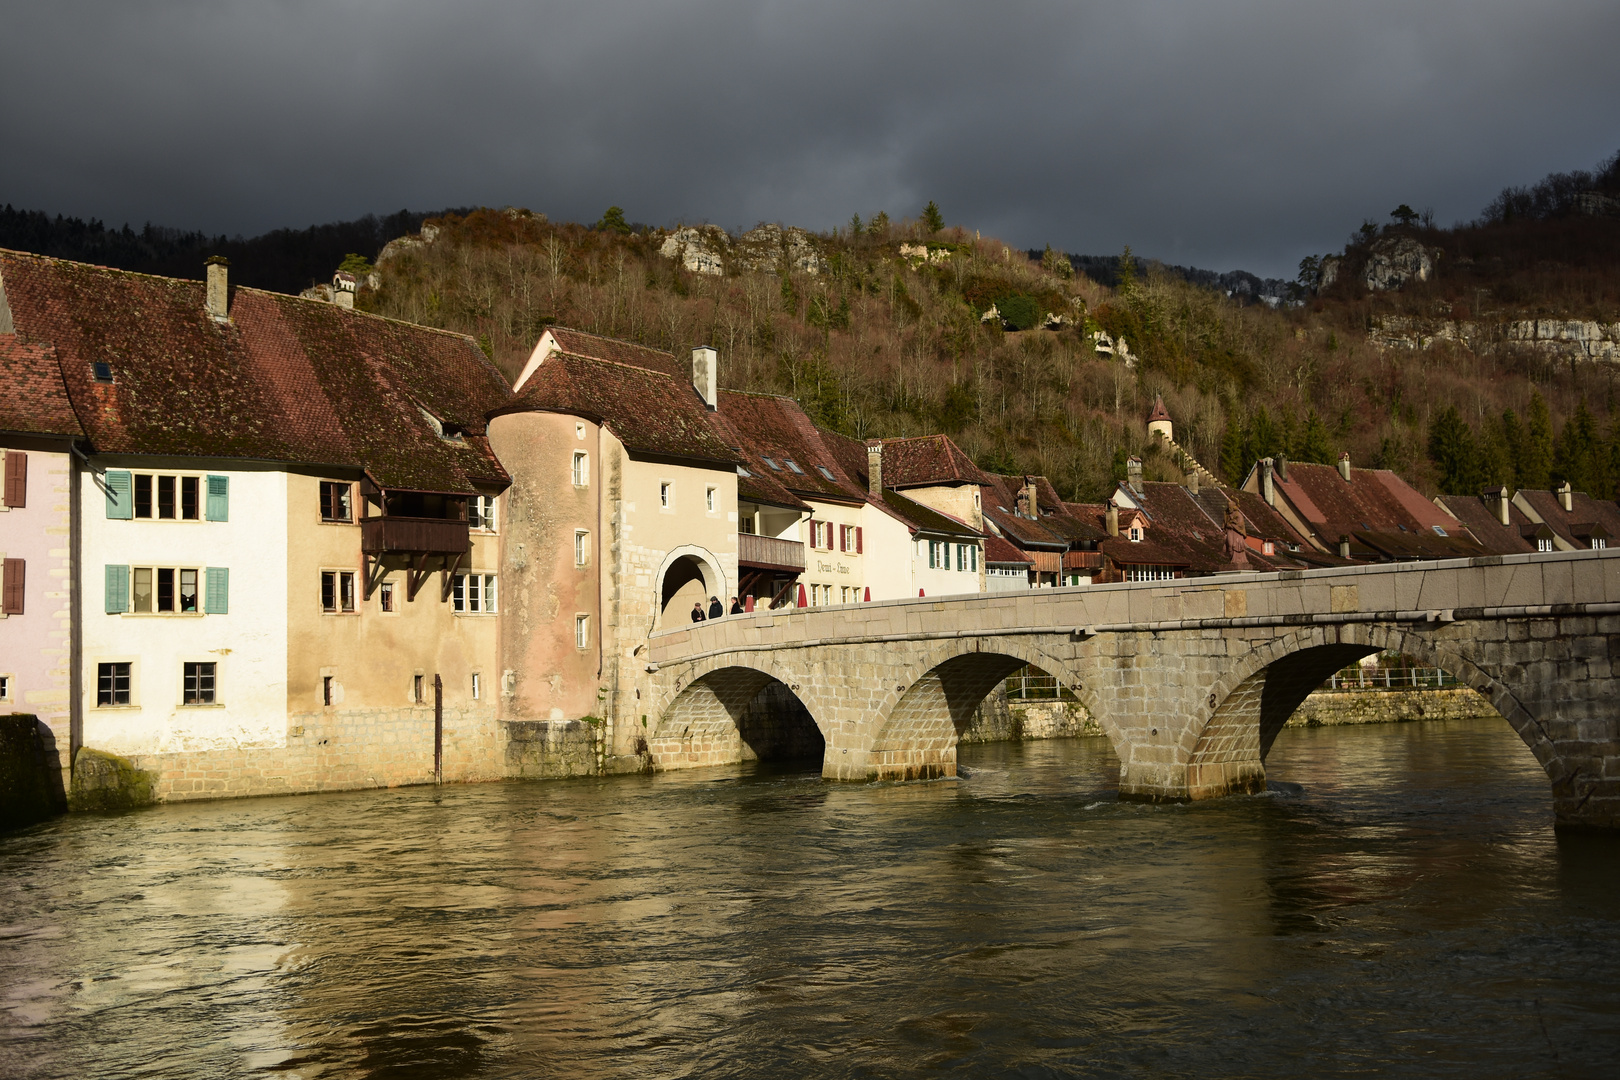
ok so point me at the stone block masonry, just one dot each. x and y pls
(1333, 708)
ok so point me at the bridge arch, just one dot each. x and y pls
(920, 722)
(1247, 708)
(729, 712)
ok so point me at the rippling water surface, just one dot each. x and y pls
(1400, 907)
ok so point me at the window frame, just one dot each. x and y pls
(579, 469)
(488, 594)
(130, 691)
(193, 669)
(666, 494)
(582, 631)
(709, 499)
(481, 514)
(344, 492)
(344, 592)
(176, 583)
(8, 687)
(582, 548)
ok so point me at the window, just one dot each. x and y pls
(939, 555)
(825, 472)
(5, 689)
(582, 547)
(666, 492)
(967, 557)
(163, 590)
(13, 579)
(1438, 531)
(1268, 547)
(473, 593)
(190, 507)
(336, 502)
(385, 595)
(843, 594)
(708, 499)
(1598, 543)
(143, 496)
(582, 631)
(772, 463)
(481, 512)
(102, 371)
(155, 495)
(1544, 544)
(1136, 534)
(581, 473)
(743, 472)
(326, 690)
(745, 525)
(337, 590)
(417, 682)
(112, 684)
(199, 684)
(1150, 573)
(477, 686)
(790, 463)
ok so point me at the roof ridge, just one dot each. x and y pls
(356, 311)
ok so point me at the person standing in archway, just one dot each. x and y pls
(716, 610)
(697, 611)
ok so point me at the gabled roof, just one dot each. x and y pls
(777, 440)
(33, 397)
(928, 461)
(997, 550)
(651, 413)
(283, 380)
(1371, 501)
(1481, 521)
(922, 518)
(1574, 526)
(1183, 529)
(596, 347)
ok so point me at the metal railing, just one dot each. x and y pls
(1035, 688)
(1392, 678)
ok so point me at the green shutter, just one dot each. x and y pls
(120, 502)
(118, 585)
(216, 600)
(219, 498)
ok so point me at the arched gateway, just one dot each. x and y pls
(1191, 682)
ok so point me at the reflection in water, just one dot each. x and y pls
(1399, 905)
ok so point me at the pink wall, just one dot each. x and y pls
(35, 647)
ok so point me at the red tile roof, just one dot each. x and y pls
(579, 343)
(284, 380)
(1473, 513)
(997, 550)
(768, 426)
(33, 397)
(1159, 411)
(927, 461)
(1372, 501)
(1575, 526)
(651, 413)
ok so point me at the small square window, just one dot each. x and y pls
(336, 502)
(385, 595)
(772, 463)
(199, 683)
(112, 684)
(826, 472)
(791, 464)
(102, 371)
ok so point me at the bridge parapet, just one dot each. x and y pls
(1189, 679)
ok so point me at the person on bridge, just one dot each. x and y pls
(736, 606)
(697, 611)
(716, 610)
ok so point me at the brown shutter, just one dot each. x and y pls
(857, 539)
(16, 478)
(15, 574)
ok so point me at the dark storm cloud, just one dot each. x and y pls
(1219, 133)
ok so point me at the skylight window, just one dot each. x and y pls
(826, 472)
(1438, 531)
(790, 463)
(743, 472)
(102, 371)
(772, 463)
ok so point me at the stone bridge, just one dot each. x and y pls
(1190, 681)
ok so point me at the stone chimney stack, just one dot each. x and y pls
(344, 286)
(1566, 497)
(1282, 468)
(1113, 520)
(1133, 474)
(874, 467)
(1504, 506)
(1344, 547)
(1032, 498)
(1344, 466)
(1192, 481)
(706, 376)
(218, 300)
(1268, 488)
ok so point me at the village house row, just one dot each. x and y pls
(257, 543)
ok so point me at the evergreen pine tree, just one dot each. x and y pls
(932, 219)
(1454, 452)
(1264, 439)
(1513, 440)
(1234, 456)
(1313, 444)
(1535, 458)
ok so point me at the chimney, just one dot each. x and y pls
(1282, 468)
(874, 467)
(1504, 504)
(1133, 474)
(1344, 547)
(1344, 466)
(1192, 481)
(1268, 489)
(1031, 497)
(1113, 520)
(344, 286)
(706, 375)
(1566, 497)
(218, 297)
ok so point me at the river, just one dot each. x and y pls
(1397, 905)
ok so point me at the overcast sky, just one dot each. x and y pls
(1217, 133)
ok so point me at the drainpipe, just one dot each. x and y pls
(75, 608)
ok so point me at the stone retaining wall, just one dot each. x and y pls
(1327, 708)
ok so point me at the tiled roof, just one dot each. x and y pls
(649, 412)
(1574, 525)
(766, 426)
(926, 461)
(33, 398)
(997, 550)
(596, 347)
(284, 380)
(1190, 530)
(1481, 521)
(1159, 411)
(924, 518)
(1374, 501)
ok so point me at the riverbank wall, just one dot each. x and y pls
(30, 772)
(1003, 721)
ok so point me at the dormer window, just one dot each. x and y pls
(1136, 534)
(448, 432)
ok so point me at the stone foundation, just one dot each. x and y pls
(546, 749)
(1328, 708)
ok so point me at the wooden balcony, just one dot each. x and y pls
(769, 553)
(413, 536)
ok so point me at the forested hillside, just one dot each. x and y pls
(877, 342)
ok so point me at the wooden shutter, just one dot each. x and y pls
(857, 539)
(219, 498)
(16, 478)
(120, 502)
(216, 599)
(117, 588)
(15, 574)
